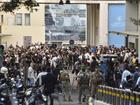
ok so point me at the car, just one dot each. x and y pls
(108, 57)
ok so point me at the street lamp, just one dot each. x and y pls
(61, 2)
(67, 1)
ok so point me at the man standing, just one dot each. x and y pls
(83, 83)
(95, 80)
(31, 75)
(49, 82)
(65, 80)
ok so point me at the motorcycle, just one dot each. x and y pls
(35, 96)
(4, 95)
(20, 93)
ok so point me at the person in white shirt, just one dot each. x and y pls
(138, 82)
(4, 70)
(39, 77)
(54, 61)
(124, 76)
(31, 75)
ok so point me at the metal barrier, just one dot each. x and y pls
(115, 96)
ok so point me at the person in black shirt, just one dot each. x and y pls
(49, 82)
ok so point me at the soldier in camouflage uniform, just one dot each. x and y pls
(83, 82)
(96, 79)
(66, 87)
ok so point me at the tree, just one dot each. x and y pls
(17, 4)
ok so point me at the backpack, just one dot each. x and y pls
(84, 79)
(97, 78)
(64, 76)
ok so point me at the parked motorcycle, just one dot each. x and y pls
(35, 96)
(20, 93)
(4, 95)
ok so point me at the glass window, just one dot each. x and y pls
(27, 19)
(18, 19)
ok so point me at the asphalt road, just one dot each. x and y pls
(74, 95)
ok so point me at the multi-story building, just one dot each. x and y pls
(22, 27)
(132, 31)
(101, 19)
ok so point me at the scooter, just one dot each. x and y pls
(20, 93)
(35, 96)
(4, 95)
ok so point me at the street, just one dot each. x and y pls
(61, 102)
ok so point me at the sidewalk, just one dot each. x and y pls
(76, 103)
(100, 103)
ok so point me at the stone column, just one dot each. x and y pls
(91, 11)
(139, 32)
(103, 24)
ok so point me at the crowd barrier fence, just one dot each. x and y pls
(115, 96)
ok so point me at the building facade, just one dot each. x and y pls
(22, 27)
(133, 24)
(100, 21)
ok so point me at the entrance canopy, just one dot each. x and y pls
(71, 1)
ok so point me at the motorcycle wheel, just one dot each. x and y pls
(39, 102)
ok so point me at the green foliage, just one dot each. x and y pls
(29, 4)
(10, 6)
(16, 4)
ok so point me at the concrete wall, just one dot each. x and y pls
(131, 12)
(36, 30)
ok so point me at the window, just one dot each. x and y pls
(27, 19)
(1, 19)
(18, 19)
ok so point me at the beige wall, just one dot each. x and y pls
(36, 29)
(82, 1)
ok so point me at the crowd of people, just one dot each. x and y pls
(41, 65)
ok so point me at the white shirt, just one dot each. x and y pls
(87, 56)
(4, 70)
(39, 77)
(138, 81)
(125, 74)
(31, 73)
(54, 61)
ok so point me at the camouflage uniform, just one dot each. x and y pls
(96, 79)
(83, 82)
(66, 88)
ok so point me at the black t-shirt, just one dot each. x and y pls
(49, 82)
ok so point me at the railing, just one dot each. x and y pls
(116, 96)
